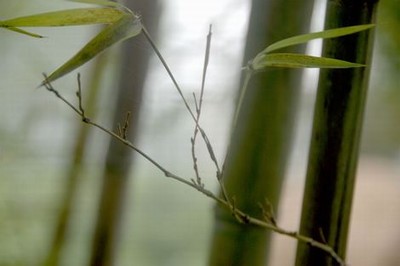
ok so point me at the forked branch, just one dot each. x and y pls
(268, 222)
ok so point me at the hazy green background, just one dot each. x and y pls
(167, 223)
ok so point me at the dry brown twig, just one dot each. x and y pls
(269, 221)
(225, 201)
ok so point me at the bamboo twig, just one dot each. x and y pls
(198, 105)
(167, 68)
(240, 215)
(178, 88)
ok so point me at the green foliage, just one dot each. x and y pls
(126, 27)
(298, 61)
(123, 24)
(99, 2)
(265, 59)
(24, 32)
(326, 34)
(71, 17)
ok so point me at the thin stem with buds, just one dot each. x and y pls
(199, 105)
(178, 88)
(241, 216)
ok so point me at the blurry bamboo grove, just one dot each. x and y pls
(72, 196)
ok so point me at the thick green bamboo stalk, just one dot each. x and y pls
(53, 257)
(336, 134)
(119, 158)
(259, 148)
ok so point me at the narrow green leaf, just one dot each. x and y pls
(71, 17)
(25, 32)
(316, 35)
(298, 61)
(126, 27)
(98, 2)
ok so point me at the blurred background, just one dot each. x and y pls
(164, 222)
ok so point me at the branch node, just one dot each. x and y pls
(122, 131)
(322, 235)
(197, 184)
(268, 212)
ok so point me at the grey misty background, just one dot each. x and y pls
(167, 223)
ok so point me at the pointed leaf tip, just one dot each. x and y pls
(126, 27)
(98, 2)
(289, 60)
(25, 32)
(332, 33)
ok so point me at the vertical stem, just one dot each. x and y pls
(118, 162)
(336, 132)
(256, 160)
(54, 255)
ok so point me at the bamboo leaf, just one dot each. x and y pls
(126, 27)
(333, 33)
(71, 17)
(98, 2)
(298, 61)
(25, 32)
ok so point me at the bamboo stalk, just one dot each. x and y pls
(73, 175)
(255, 166)
(337, 125)
(118, 162)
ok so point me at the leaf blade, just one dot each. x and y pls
(332, 33)
(126, 27)
(290, 60)
(70, 17)
(31, 34)
(98, 2)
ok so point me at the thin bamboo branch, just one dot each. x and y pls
(167, 68)
(178, 88)
(239, 214)
(199, 105)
